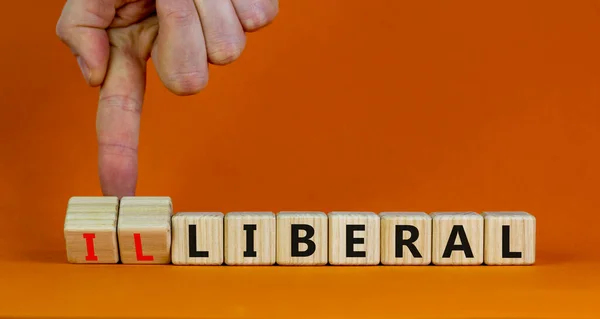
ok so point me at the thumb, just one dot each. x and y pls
(82, 26)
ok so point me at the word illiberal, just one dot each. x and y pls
(143, 230)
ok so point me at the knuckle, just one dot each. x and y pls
(187, 83)
(117, 148)
(122, 102)
(181, 17)
(61, 31)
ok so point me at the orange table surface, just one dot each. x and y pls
(49, 288)
(342, 105)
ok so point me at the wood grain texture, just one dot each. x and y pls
(338, 240)
(147, 220)
(521, 239)
(443, 225)
(318, 222)
(208, 234)
(96, 216)
(265, 236)
(422, 240)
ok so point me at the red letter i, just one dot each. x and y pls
(138, 249)
(89, 243)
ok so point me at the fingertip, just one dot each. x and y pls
(118, 174)
(96, 78)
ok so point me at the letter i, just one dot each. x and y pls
(89, 243)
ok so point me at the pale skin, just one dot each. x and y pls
(113, 40)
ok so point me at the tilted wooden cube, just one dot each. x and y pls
(302, 238)
(144, 230)
(405, 238)
(509, 238)
(90, 230)
(197, 239)
(250, 238)
(457, 238)
(353, 238)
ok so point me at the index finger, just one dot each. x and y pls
(118, 124)
(120, 107)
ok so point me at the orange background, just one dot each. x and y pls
(372, 105)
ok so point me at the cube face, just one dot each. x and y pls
(302, 238)
(405, 238)
(509, 238)
(197, 239)
(103, 246)
(250, 238)
(90, 230)
(354, 238)
(457, 238)
(144, 230)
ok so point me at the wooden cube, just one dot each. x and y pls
(144, 230)
(509, 238)
(353, 238)
(90, 230)
(197, 239)
(405, 238)
(250, 238)
(302, 238)
(457, 238)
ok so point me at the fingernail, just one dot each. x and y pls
(85, 70)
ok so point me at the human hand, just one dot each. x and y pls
(113, 39)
